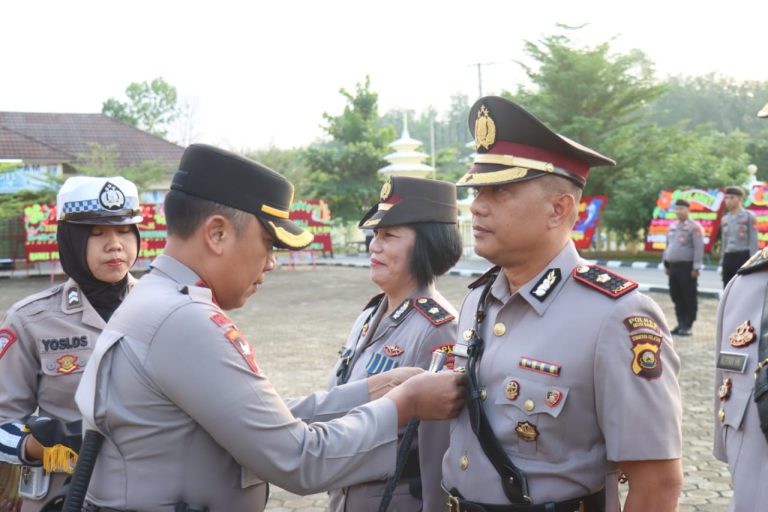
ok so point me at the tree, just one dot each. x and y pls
(288, 162)
(343, 170)
(151, 106)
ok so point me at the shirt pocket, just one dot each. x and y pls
(528, 413)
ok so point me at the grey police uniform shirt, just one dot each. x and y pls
(739, 231)
(685, 242)
(575, 381)
(421, 324)
(738, 438)
(175, 388)
(46, 340)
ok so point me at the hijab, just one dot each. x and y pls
(73, 248)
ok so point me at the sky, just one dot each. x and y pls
(256, 74)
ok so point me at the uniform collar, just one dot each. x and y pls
(73, 300)
(176, 270)
(540, 291)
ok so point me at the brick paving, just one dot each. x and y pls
(300, 318)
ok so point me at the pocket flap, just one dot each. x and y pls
(533, 397)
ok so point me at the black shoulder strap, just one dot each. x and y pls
(513, 480)
(342, 374)
(761, 372)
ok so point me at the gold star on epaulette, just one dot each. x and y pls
(433, 311)
(601, 279)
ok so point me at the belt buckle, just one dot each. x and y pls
(453, 504)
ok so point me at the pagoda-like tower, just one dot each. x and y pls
(406, 160)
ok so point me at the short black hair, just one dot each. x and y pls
(184, 214)
(437, 248)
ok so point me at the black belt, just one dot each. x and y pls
(590, 503)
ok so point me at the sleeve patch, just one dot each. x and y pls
(635, 323)
(243, 347)
(433, 311)
(7, 338)
(603, 280)
(646, 352)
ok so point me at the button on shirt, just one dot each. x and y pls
(188, 417)
(685, 243)
(739, 231)
(738, 438)
(564, 392)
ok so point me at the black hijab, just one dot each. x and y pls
(73, 244)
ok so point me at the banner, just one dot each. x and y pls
(706, 209)
(590, 209)
(757, 203)
(314, 215)
(40, 227)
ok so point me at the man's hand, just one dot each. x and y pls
(695, 273)
(381, 383)
(429, 396)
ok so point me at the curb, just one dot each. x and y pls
(707, 293)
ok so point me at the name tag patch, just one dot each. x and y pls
(732, 362)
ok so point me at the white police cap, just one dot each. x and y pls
(89, 200)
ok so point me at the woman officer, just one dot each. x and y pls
(47, 338)
(415, 240)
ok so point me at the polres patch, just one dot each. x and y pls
(243, 347)
(7, 338)
(646, 349)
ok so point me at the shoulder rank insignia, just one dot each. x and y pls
(489, 275)
(375, 301)
(602, 279)
(758, 261)
(73, 298)
(433, 311)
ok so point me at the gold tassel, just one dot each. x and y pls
(59, 458)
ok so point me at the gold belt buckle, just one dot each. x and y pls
(453, 504)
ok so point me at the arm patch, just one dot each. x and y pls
(433, 311)
(603, 280)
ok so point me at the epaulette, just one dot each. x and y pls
(758, 261)
(602, 279)
(433, 311)
(489, 275)
(48, 292)
(375, 301)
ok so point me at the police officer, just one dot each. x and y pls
(415, 241)
(682, 263)
(739, 228)
(47, 338)
(572, 372)
(741, 405)
(189, 421)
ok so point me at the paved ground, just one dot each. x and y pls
(309, 313)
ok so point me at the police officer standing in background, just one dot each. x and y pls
(47, 338)
(682, 263)
(572, 372)
(741, 382)
(739, 229)
(189, 421)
